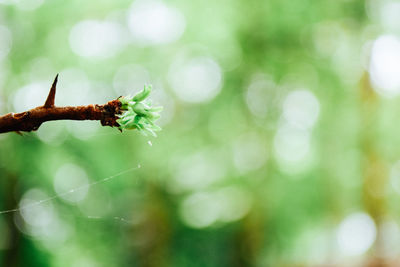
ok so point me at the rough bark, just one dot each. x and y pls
(32, 119)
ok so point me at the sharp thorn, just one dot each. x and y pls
(52, 94)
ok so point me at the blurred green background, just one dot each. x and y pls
(280, 143)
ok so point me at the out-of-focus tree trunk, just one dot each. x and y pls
(153, 234)
(248, 240)
(374, 169)
(11, 253)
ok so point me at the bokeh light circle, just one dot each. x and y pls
(197, 80)
(96, 39)
(153, 22)
(356, 234)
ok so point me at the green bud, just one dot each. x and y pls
(139, 114)
(142, 95)
(140, 109)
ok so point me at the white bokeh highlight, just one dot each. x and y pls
(97, 39)
(356, 234)
(292, 142)
(197, 172)
(199, 210)
(71, 183)
(34, 212)
(234, 203)
(385, 65)
(204, 209)
(196, 80)
(390, 236)
(83, 133)
(5, 41)
(30, 96)
(389, 15)
(28, 5)
(249, 152)
(153, 22)
(301, 108)
(71, 83)
(52, 133)
(40, 219)
(258, 96)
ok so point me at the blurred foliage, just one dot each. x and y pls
(276, 148)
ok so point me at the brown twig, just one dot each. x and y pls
(32, 119)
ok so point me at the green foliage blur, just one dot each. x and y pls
(279, 142)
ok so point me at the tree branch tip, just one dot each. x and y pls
(125, 113)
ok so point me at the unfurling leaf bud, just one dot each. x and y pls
(139, 115)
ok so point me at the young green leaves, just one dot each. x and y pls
(139, 114)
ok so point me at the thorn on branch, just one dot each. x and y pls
(125, 113)
(52, 94)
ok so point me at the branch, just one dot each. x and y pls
(31, 120)
(124, 113)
